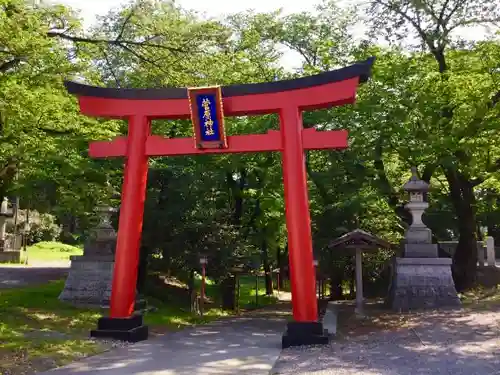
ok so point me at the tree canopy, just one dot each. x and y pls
(432, 102)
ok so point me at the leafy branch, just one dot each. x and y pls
(114, 42)
(10, 64)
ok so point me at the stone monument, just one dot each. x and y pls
(90, 276)
(4, 215)
(10, 250)
(420, 279)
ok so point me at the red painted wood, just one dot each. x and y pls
(161, 146)
(291, 140)
(321, 140)
(130, 221)
(298, 221)
(114, 148)
(336, 93)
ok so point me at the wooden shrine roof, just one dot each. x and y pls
(360, 69)
(359, 239)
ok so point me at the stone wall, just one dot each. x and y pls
(11, 249)
(422, 283)
(89, 281)
(10, 256)
(13, 242)
(449, 247)
(90, 277)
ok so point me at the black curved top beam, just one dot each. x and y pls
(360, 69)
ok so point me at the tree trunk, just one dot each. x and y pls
(464, 202)
(142, 271)
(335, 287)
(280, 256)
(267, 267)
(228, 292)
(68, 224)
(352, 283)
(193, 301)
(190, 283)
(237, 190)
(278, 266)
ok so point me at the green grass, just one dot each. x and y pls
(168, 317)
(248, 298)
(29, 320)
(481, 297)
(486, 294)
(51, 252)
(39, 332)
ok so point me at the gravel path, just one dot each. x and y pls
(12, 277)
(459, 343)
(245, 345)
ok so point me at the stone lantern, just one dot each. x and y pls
(420, 278)
(4, 215)
(91, 274)
(103, 235)
(418, 238)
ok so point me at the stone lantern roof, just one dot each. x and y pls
(415, 184)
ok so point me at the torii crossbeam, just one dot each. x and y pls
(287, 98)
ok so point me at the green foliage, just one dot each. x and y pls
(28, 316)
(447, 102)
(248, 290)
(432, 104)
(34, 321)
(51, 252)
(45, 229)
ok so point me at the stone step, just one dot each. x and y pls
(330, 318)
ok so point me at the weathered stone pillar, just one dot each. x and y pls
(490, 251)
(480, 253)
(359, 281)
(420, 279)
(4, 215)
(90, 276)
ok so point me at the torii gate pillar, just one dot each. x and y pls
(288, 99)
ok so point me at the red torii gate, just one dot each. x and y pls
(287, 98)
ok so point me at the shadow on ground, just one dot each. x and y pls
(457, 342)
(246, 345)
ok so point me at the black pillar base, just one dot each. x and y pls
(123, 329)
(304, 333)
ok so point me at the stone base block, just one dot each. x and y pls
(420, 283)
(123, 329)
(421, 250)
(418, 234)
(330, 318)
(10, 256)
(304, 333)
(89, 281)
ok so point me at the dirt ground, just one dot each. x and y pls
(460, 341)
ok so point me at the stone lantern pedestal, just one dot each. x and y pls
(4, 215)
(90, 277)
(9, 250)
(420, 278)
